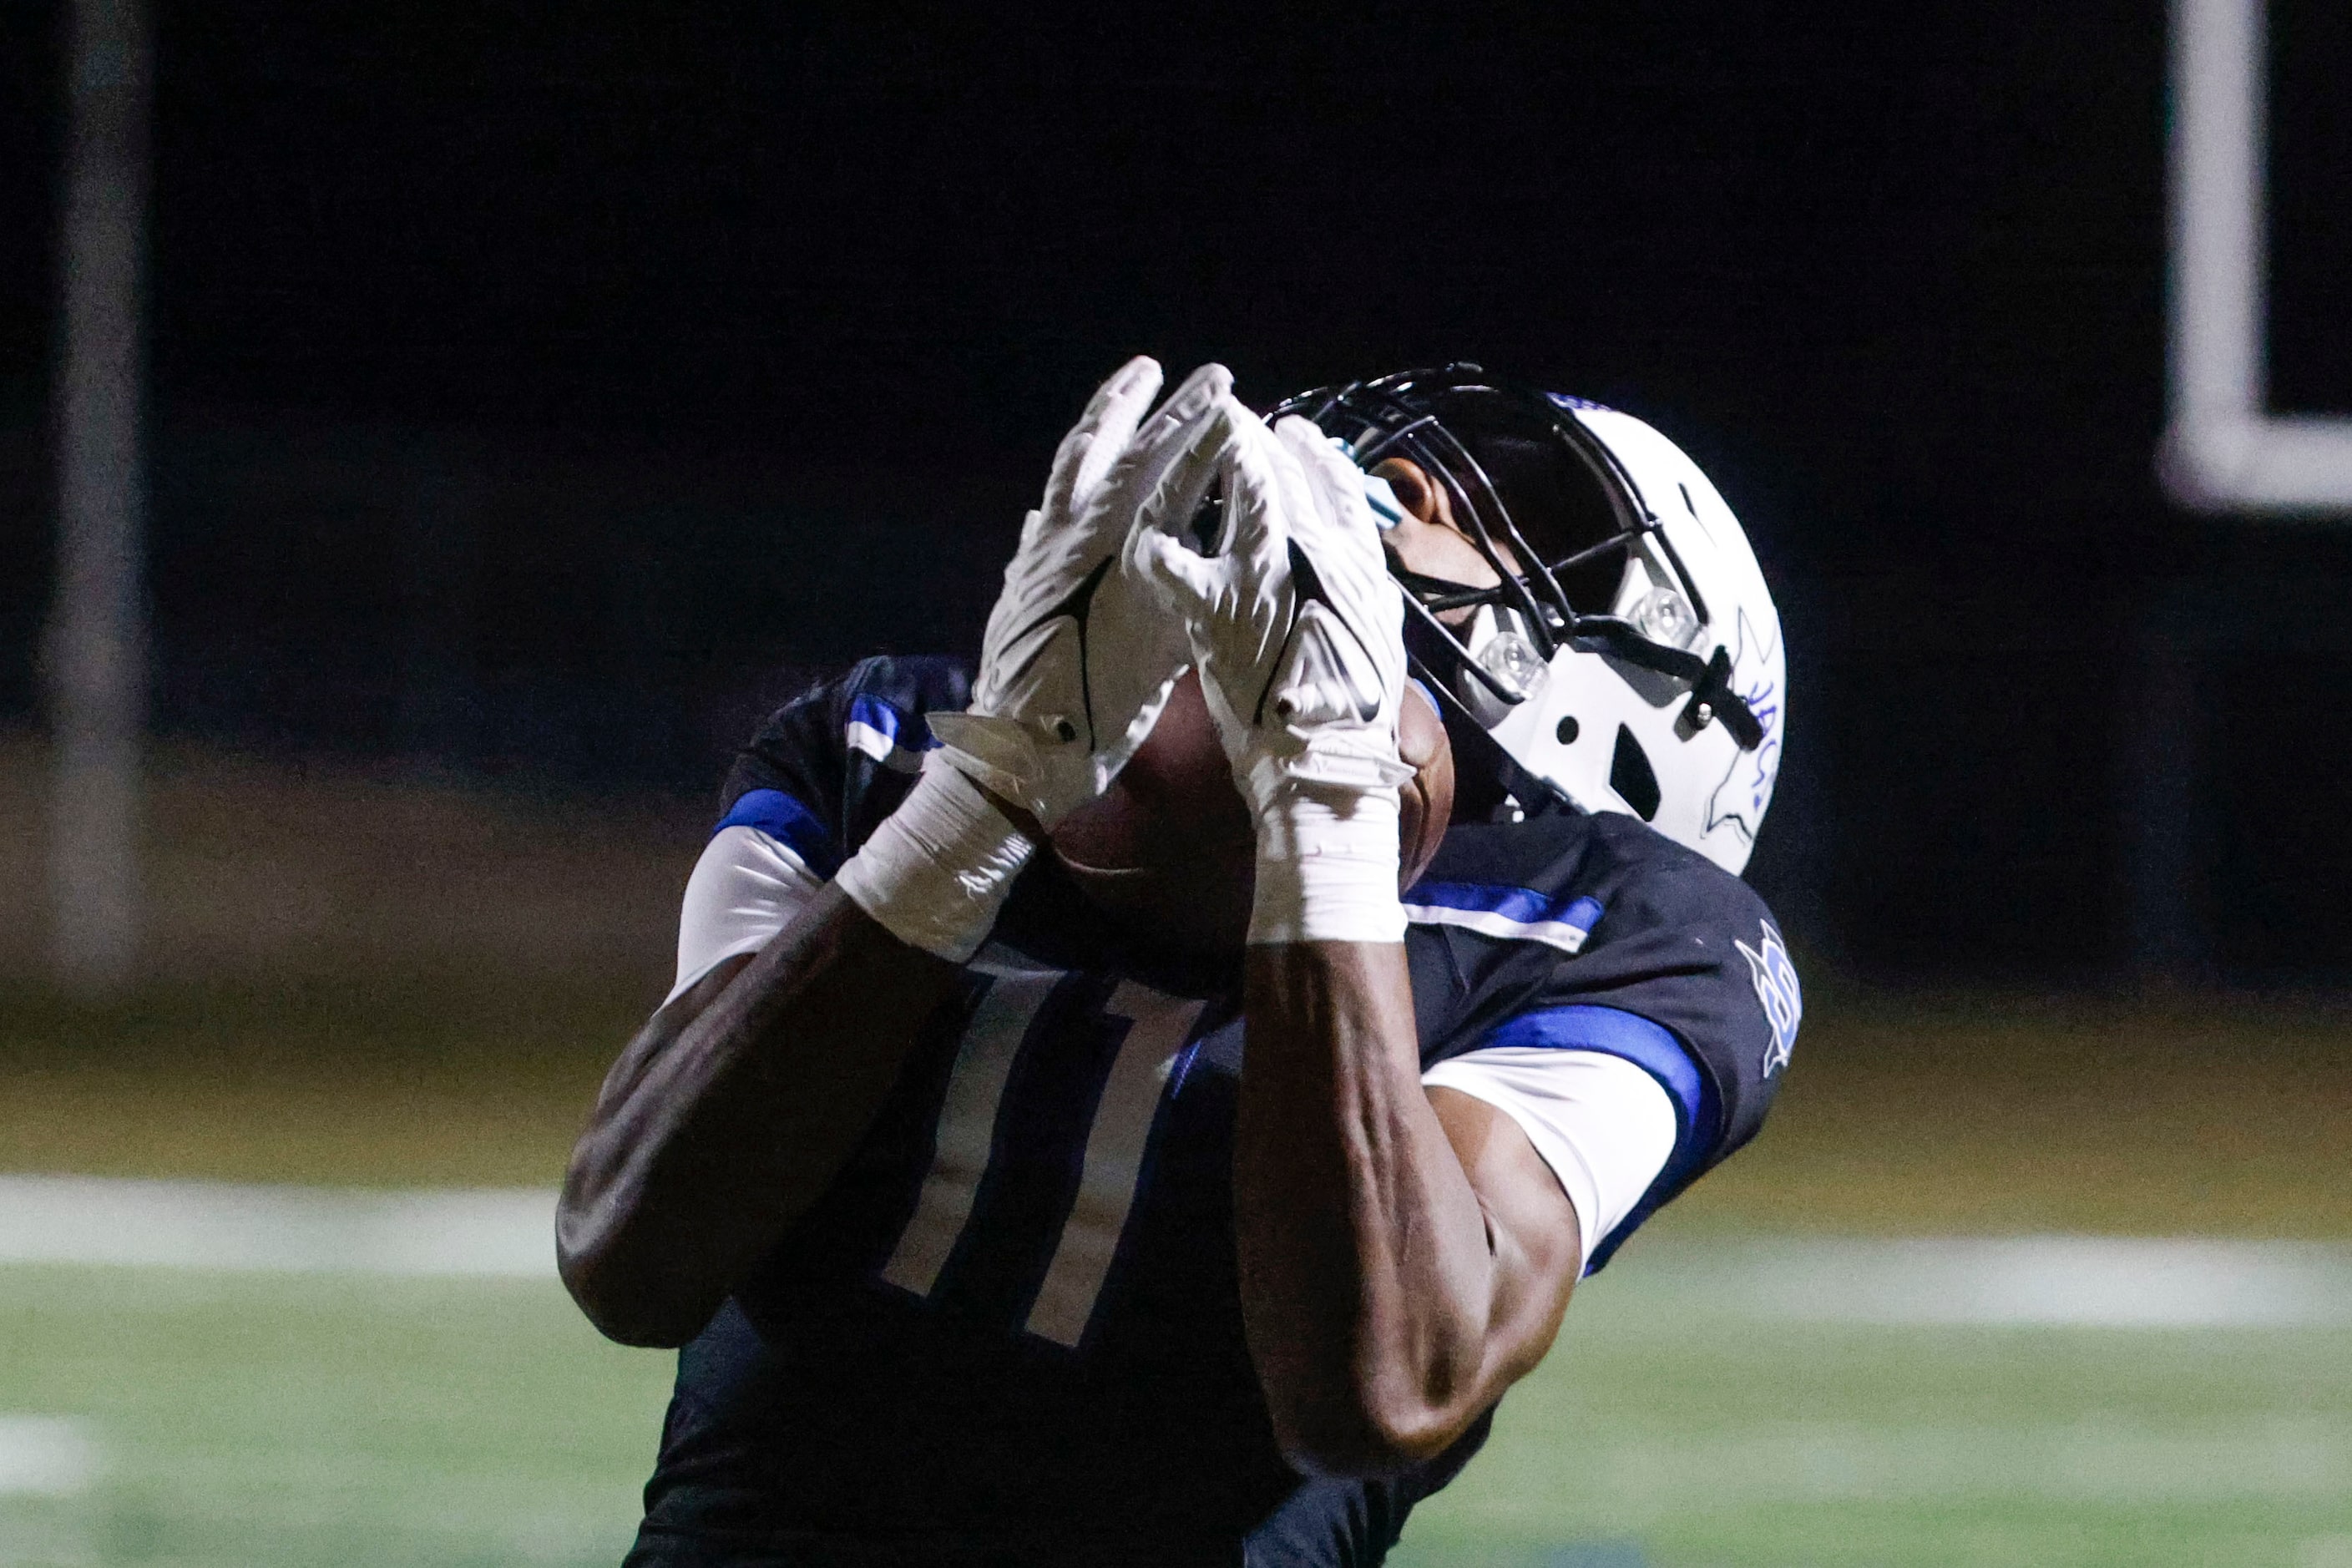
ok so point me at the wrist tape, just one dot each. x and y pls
(937, 870)
(1326, 866)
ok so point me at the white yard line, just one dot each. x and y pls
(46, 1456)
(2171, 1282)
(2085, 1281)
(499, 1233)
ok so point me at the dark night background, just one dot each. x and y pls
(538, 398)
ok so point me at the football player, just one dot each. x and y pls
(1145, 1098)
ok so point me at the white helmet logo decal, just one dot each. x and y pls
(1747, 787)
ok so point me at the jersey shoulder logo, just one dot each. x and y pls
(1777, 989)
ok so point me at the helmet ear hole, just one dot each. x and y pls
(1630, 777)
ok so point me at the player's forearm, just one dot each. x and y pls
(718, 1128)
(1367, 1276)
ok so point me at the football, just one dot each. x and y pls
(1170, 843)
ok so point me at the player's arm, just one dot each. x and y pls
(731, 1111)
(1406, 1254)
(1403, 1256)
(736, 1105)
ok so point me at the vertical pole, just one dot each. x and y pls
(95, 647)
(2218, 267)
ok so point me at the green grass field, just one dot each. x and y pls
(211, 1420)
(225, 1419)
(1666, 1432)
(368, 982)
(286, 1420)
(252, 1419)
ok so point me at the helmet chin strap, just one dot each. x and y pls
(1711, 697)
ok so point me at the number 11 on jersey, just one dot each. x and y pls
(1110, 1168)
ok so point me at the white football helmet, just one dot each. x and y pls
(1629, 658)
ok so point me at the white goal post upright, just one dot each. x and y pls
(95, 652)
(2223, 451)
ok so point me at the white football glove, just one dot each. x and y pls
(1075, 668)
(1297, 629)
(1077, 664)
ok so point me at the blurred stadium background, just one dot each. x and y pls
(527, 409)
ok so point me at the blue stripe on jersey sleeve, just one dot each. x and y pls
(787, 821)
(1653, 1048)
(887, 734)
(881, 716)
(1506, 912)
(1613, 1032)
(1523, 905)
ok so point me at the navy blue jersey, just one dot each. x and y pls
(1011, 1331)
